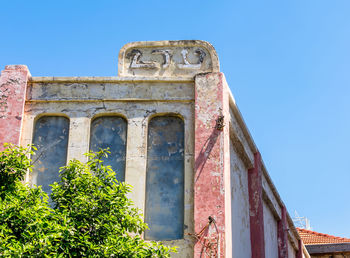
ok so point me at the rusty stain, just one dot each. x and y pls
(209, 239)
(220, 123)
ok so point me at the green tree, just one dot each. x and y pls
(90, 214)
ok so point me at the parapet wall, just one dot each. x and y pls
(230, 206)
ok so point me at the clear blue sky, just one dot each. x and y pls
(287, 63)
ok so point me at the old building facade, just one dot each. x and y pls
(175, 134)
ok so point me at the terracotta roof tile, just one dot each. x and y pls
(310, 237)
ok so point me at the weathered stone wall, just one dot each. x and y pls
(45, 98)
(270, 226)
(241, 246)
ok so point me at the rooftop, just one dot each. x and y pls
(310, 237)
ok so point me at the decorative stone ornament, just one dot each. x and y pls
(184, 58)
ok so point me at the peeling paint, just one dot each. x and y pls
(270, 233)
(256, 212)
(13, 85)
(210, 162)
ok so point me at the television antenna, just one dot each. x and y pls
(301, 222)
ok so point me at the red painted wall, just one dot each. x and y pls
(300, 249)
(13, 85)
(256, 208)
(283, 235)
(211, 161)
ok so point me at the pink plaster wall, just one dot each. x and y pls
(13, 84)
(212, 169)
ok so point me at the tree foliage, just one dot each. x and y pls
(89, 213)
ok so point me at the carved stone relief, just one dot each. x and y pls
(167, 59)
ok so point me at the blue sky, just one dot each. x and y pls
(287, 63)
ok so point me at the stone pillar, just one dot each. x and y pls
(212, 210)
(135, 167)
(283, 234)
(13, 85)
(79, 138)
(256, 208)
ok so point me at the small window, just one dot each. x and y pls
(110, 132)
(164, 212)
(51, 140)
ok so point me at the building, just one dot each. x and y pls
(176, 135)
(323, 245)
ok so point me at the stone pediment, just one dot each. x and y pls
(183, 58)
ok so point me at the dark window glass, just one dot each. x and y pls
(165, 179)
(51, 139)
(110, 132)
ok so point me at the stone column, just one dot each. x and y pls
(136, 159)
(13, 85)
(256, 208)
(283, 234)
(212, 210)
(79, 138)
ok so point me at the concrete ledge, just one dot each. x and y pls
(111, 79)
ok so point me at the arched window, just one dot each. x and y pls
(51, 139)
(164, 212)
(110, 132)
